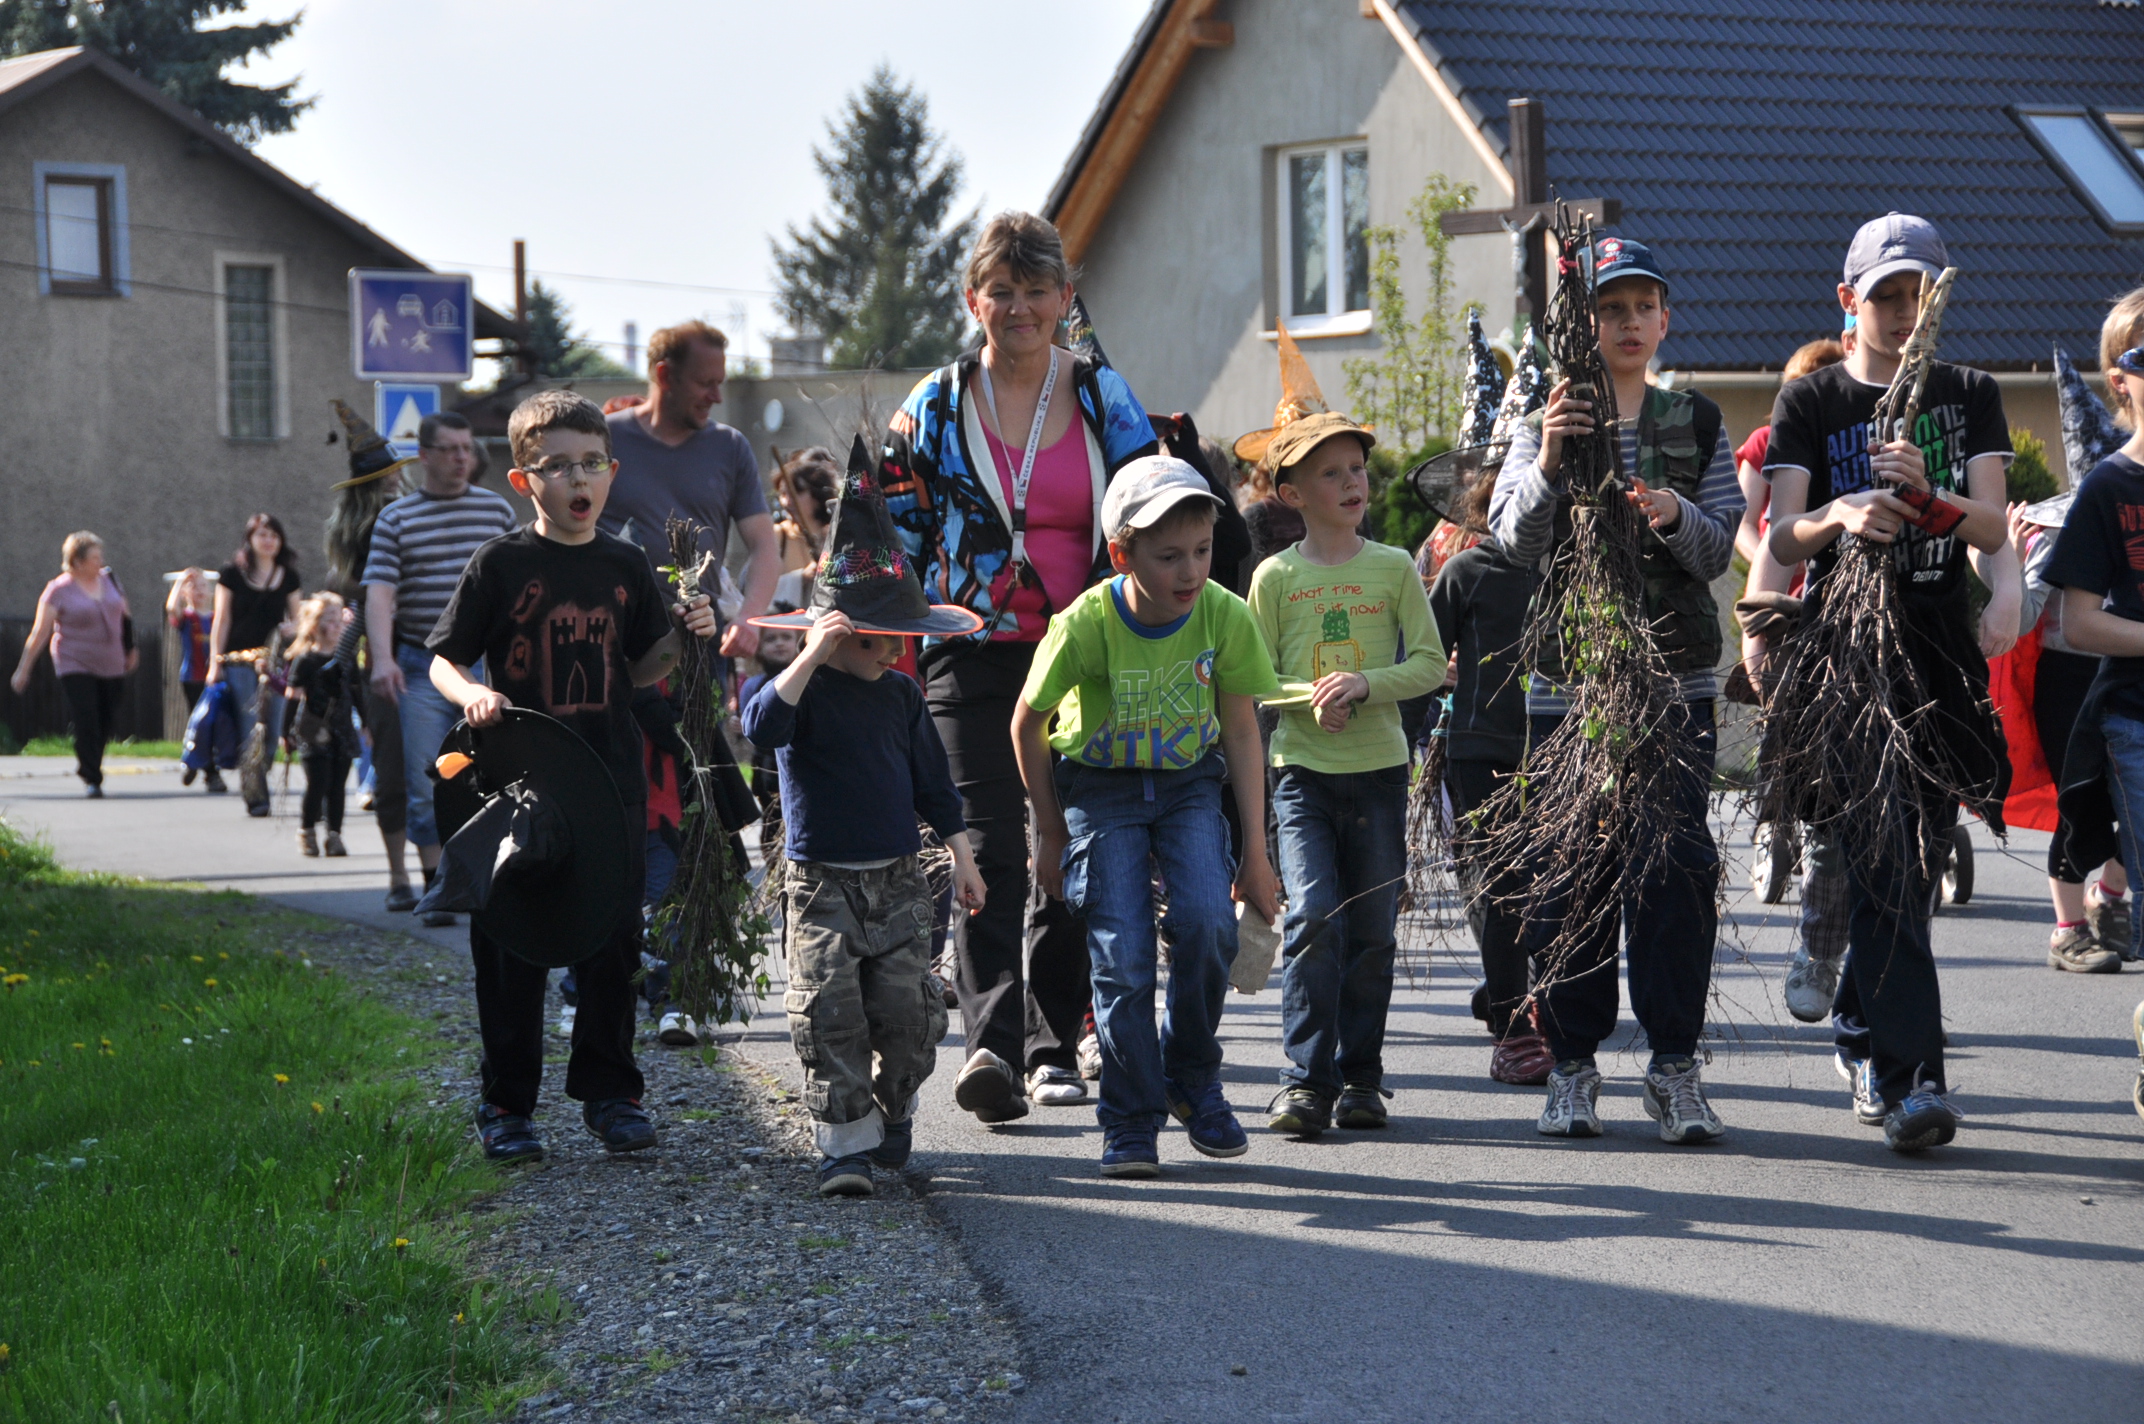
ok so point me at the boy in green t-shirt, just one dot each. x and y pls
(1348, 617)
(1150, 678)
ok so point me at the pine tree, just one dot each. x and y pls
(552, 348)
(879, 276)
(163, 42)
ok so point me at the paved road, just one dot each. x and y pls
(1460, 1267)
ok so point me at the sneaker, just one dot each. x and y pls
(1299, 1112)
(565, 1021)
(1130, 1152)
(1811, 985)
(988, 1088)
(1925, 1119)
(1675, 1098)
(1868, 1103)
(1205, 1114)
(848, 1176)
(2073, 948)
(400, 899)
(212, 782)
(2108, 921)
(308, 843)
(1522, 1058)
(1574, 1092)
(1090, 1057)
(1052, 1086)
(333, 846)
(186, 777)
(678, 1030)
(893, 1149)
(366, 801)
(1362, 1107)
(620, 1123)
(506, 1136)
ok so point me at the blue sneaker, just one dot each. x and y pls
(1206, 1117)
(1130, 1152)
(893, 1149)
(1925, 1119)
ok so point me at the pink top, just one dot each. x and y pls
(86, 637)
(1060, 530)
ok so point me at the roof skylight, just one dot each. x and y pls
(2103, 169)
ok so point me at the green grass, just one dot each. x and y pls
(221, 1195)
(124, 747)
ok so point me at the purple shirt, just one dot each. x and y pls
(85, 637)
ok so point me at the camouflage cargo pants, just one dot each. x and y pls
(863, 1015)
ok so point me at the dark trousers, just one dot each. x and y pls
(92, 705)
(326, 769)
(2058, 693)
(1490, 913)
(1889, 1007)
(390, 798)
(191, 691)
(510, 1003)
(1670, 923)
(1021, 970)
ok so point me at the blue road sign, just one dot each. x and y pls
(397, 411)
(411, 326)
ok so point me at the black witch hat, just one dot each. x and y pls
(866, 574)
(371, 457)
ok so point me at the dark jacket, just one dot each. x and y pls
(1480, 601)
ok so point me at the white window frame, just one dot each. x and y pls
(279, 334)
(1331, 323)
(122, 273)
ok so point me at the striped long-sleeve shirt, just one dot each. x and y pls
(1522, 517)
(420, 546)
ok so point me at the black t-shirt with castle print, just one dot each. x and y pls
(558, 627)
(1821, 424)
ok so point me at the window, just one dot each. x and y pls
(250, 341)
(2130, 129)
(2099, 165)
(81, 222)
(1324, 239)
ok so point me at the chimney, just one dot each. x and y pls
(521, 280)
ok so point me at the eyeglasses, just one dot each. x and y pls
(595, 467)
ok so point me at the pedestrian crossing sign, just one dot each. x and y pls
(397, 411)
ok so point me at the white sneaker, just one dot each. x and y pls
(1090, 1058)
(678, 1030)
(565, 1021)
(1056, 1087)
(1571, 1110)
(1675, 1098)
(1811, 985)
(988, 1087)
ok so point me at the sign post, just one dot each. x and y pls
(410, 325)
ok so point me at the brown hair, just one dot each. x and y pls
(285, 557)
(1471, 510)
(552, 410)
(674, 342)
(1021, 241)
(810, 474)
(2123, 328)
(74, 546)
(1812, 356)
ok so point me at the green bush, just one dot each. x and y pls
(1397, 513)
(2029, 480)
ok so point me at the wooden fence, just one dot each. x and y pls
(149, 710)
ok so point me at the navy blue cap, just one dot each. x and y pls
(1615, 258)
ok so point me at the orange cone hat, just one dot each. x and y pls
(1299, 396)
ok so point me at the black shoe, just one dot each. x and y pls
(256, 809)
(620, 1123)
(95, 792)
(438, 919)
(1478, 1002)
(1362, 1107)
(400, 899)
(893, 1149)
(846, 1176)
(214, 783)
(1300, 1112)
(186, 777)
(506, 1138)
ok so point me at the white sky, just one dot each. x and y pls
(662, 141)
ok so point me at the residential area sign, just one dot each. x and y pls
(410, 325)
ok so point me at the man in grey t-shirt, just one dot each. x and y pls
(674, 459)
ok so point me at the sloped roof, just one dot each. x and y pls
(1748, 140)
(28, 75)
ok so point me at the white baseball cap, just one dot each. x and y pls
(1148, 488)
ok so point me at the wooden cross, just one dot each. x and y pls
(1531, 213)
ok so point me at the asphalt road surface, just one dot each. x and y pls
(1460, 1267)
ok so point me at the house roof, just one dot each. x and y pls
(29, 75)
(1748, 141)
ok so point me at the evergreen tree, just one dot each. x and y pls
(879, 276)
(552, 348)
(163, 42)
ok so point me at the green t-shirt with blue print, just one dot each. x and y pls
(1130, 696)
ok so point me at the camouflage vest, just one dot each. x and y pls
(1672, 454)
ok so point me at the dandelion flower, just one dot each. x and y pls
(282, 1078)
(36, 1063)
(223, 956)
(4, 1353)
(197, 959)
(81, 1045)
(105, 1041)
(15, 981)
(318, 1109)
(400, 1242)
(210, 982)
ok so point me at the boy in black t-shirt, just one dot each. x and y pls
(568, 621)
(1832, 474)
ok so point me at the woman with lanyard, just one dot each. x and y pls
(995, 468)
(83, 615)
(256, 595)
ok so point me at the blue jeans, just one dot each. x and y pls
(245, 685)
(1123, 825)
(1343, 853)
(427, 717)
(2125, 782)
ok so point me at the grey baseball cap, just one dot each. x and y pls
(1895, 242)
(1148, 488)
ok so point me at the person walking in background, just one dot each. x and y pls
(322, 729)
(82, 614)
(256, 597)
(804, 490)
(420, 545)
(190, 608)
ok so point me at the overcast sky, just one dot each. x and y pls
(661, 141)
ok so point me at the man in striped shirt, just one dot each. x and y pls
(420, 546)
(1675, 445)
